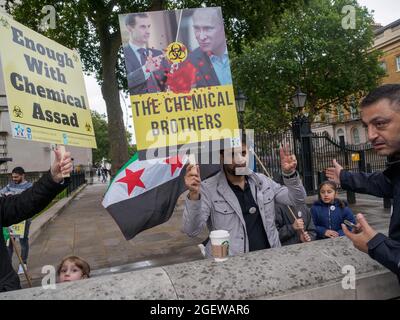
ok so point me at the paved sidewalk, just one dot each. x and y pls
(86, 229)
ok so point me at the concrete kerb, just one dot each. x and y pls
(41, 222)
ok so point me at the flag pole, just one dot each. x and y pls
(269, 176)
(19, 258)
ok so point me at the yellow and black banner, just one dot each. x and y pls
(45, 88)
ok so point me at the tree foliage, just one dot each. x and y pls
(246, 20)
(310, 50)
(92, 28)
(102, 140)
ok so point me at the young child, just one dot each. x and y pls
(329, 212)
(73, 268)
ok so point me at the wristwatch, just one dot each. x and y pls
(290, 175)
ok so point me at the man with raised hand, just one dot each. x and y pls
(240, 201)
(19, 207)
(380, 113)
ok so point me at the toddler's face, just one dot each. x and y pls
(327, 194)
(70, 272)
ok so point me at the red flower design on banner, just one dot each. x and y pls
(182, 79)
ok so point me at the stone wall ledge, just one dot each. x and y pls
(304, 271)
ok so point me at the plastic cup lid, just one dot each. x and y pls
(219, 234)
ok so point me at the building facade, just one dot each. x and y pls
(345, 126)
(387, 39)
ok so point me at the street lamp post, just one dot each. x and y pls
(302, 140)
(299, 99)
(300, 123)
(240, 100)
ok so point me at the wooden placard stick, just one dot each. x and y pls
(269, 176)
(28, 278)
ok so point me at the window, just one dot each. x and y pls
(340, 136)
(398, 63)
(356, 136)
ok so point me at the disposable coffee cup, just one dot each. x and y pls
(219, 244)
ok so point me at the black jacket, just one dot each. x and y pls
(284, 221)
(386, 184)
(17, 208)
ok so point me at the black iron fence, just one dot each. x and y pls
(315, 153)
(76, 180)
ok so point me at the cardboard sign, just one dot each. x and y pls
(18, 230)
(179, 79)
(45, 88)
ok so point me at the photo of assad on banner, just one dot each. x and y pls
(175, 50)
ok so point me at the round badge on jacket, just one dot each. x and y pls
(299, 214)
(252, 210)
(332, 208)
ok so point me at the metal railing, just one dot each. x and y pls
(323, 150)
(76, 180)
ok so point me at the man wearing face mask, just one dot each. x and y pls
(240, 201)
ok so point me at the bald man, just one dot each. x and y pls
(211, 57)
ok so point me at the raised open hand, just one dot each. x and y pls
(333, 173)
(288, 161)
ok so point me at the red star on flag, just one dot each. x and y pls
(175, 162)
(132, 179)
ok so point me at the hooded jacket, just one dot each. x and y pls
(284, 223)
(330, 217)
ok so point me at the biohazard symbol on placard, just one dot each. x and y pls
(88, 127)
(4, 23)
(18, 112)
(176, 52)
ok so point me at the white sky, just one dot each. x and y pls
(97, 103)
(385, 12)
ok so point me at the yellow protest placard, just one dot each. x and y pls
(45, 88)
(18, 230)
(179, 80)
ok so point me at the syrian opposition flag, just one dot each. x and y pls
(144, 193)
